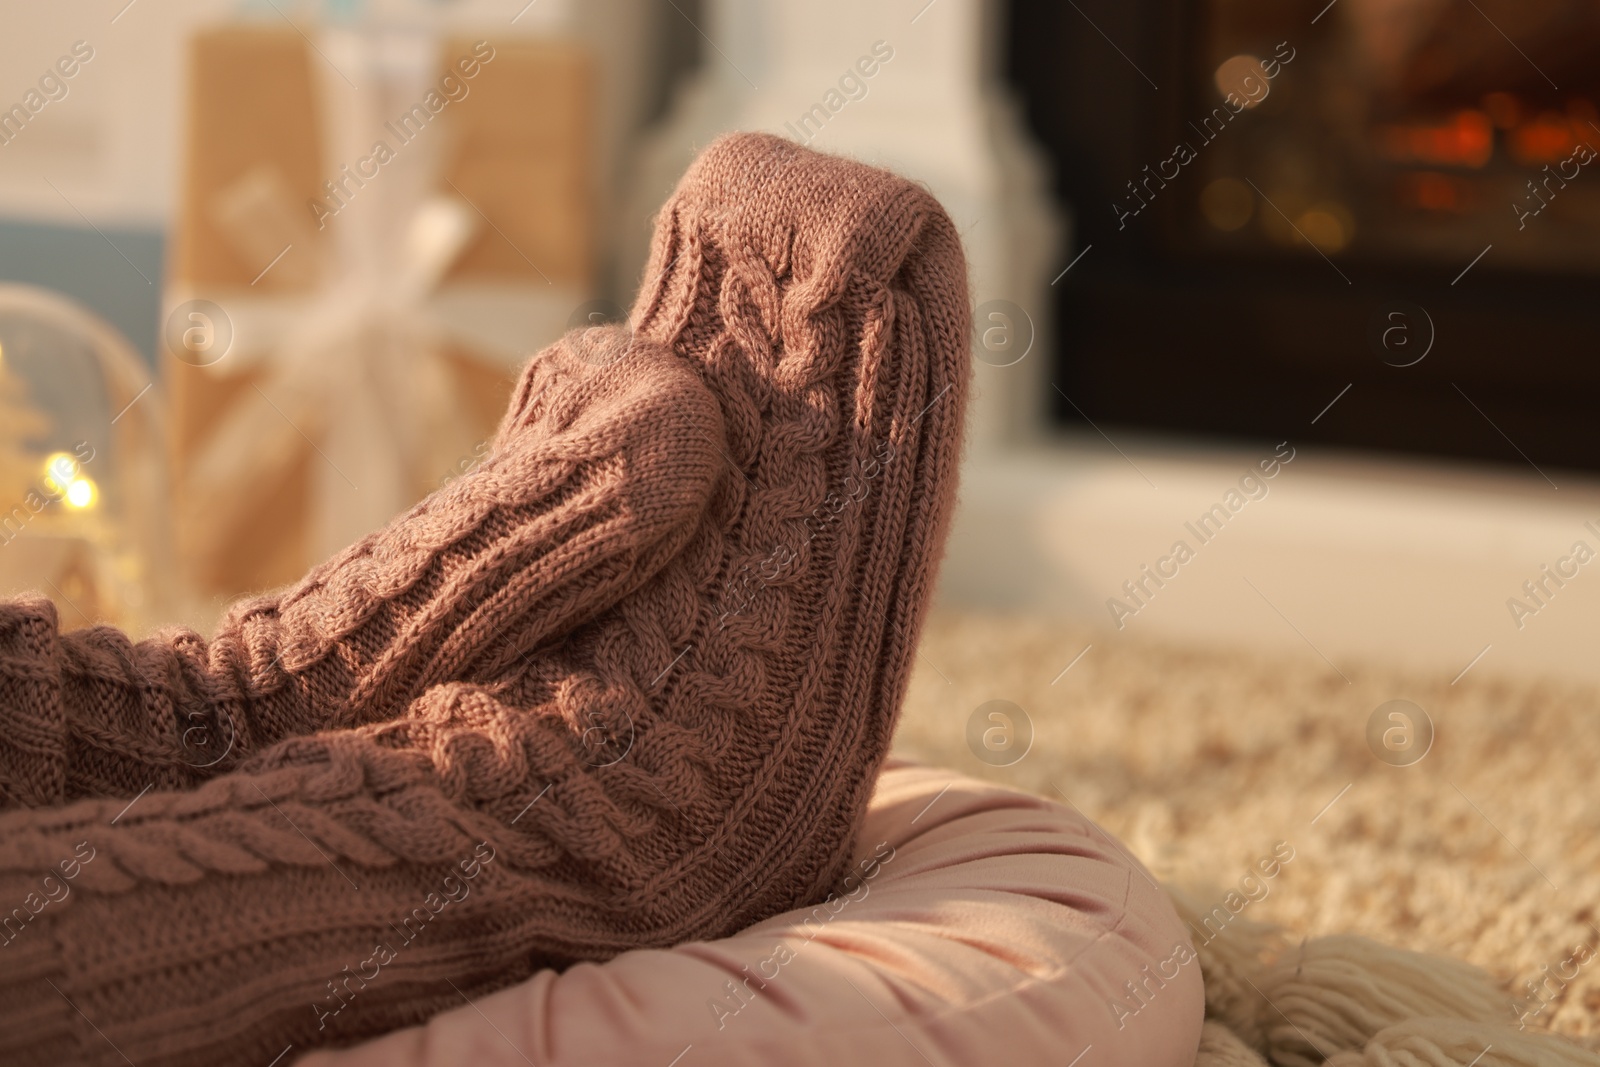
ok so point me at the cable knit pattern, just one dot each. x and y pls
(628, 684)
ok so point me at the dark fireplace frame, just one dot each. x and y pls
(1158, 336)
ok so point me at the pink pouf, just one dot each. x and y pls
(981, 926)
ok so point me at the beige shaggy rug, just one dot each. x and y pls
(1206, 760)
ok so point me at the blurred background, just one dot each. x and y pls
(270, 266)
(1283, 454)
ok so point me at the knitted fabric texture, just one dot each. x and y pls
(1347, 1001)
(628, 684)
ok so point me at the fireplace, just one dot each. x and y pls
(1373, 224)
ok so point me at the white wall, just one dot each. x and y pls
(112, 145)
(109, 145)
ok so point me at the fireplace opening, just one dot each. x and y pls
(1373, 224)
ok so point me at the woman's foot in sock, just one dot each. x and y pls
(596, 477)
(757, 678)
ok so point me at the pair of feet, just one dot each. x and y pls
(649, 654)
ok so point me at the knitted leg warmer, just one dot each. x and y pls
(628, 684)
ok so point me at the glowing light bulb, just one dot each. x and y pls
(1327, 226)
(1245, 79)
(81, 494)
(60, 469)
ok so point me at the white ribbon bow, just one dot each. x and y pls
(356, 372)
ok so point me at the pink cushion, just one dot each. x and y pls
(986, 926)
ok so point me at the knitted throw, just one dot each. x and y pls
(1347, 1001)
(629, 683)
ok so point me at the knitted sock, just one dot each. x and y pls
(645, 704)
(595, 478)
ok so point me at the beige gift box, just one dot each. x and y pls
(510, 122)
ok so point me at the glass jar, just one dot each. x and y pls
(82, 464)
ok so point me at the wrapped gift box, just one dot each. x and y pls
(362, 311)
